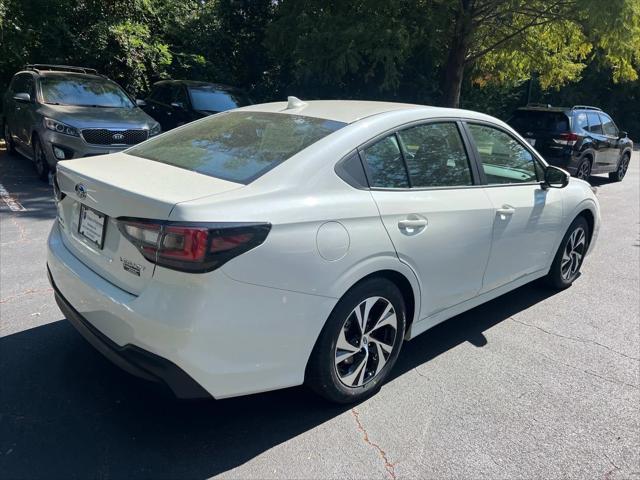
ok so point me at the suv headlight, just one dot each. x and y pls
(60, 127)
(155, 130)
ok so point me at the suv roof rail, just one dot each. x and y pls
(585, 107)
(37, 67)
(539, 105)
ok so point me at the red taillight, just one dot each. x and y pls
(192, 247)
(567, 138)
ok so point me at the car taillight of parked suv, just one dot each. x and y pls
(58, 112)
(582, 139)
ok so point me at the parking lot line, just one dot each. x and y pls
(13, 204)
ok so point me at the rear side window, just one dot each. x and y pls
(595, 126)
(385, 167)
(608, 127)
(580, 121)
(435, 155)
(504, 159)
(236, 146)
(533, 120)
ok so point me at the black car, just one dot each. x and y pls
(582, 139)
(176, 102)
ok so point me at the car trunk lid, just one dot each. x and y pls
(103, 189)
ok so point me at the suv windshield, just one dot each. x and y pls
(89, 92)
(533, 120)
(214, 100)
(236, 146)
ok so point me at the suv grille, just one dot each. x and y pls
(103, 136)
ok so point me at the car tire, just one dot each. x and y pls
(621, 171)
(40, 160)
(583, 171)
(351, 374)
(11, 147)
(570, 255)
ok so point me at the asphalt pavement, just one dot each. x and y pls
(534, 384)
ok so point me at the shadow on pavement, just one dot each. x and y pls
(66, 412)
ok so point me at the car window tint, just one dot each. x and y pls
(20, 84)
(179, 95)
(435, 155)
(595, 126)
(212, 100)
(385, 167)
(161, 94)
(539, 121)
(580, 121)
(504, 159)
(236, 146)
(608, 127)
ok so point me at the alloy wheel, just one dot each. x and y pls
(624, 165)
(584, 170)
(573, 253)
(366, 341)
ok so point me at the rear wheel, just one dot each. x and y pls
(621, 171)
(359, 344)
(40, 160)
(11, 148)
(570, 255)
(584, 170)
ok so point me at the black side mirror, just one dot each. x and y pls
(622, 134)
(178, 105)
(22, 97)
(555, 177)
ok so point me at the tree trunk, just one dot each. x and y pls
(454, 68)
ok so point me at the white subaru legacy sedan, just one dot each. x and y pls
(290, 243)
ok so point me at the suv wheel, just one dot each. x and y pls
(584, 170)
(359, 344)
(621, 171)
(40, 160)
(11, 148)
(570, 255)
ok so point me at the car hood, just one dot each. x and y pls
(96, 117)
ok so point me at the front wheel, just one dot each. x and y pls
(621, 171)
(40, 160)
(359, 344)
(570, 255)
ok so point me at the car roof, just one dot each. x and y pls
(58, 73)
(350, 111)
(545, 109)
(197, 83)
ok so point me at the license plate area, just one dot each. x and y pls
(92, 225)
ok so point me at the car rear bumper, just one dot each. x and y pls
(192, 330)
(131, 358)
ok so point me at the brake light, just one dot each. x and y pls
(188, 247)
(567, 138)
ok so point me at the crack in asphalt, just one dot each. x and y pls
(575, 339)
(389, 467)
(31, 291)
(607, 476)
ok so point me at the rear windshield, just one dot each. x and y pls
(236, 146)
(531, 120)
(86, 92)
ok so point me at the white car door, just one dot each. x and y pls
(439, 219)
(526, 217)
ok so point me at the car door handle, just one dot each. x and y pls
(411, 226)
(506, 210)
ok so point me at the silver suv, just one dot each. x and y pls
(57, 112)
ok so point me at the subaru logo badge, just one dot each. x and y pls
(81, 191)
(118, 137)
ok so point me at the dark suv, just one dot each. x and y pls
(176, 102)
(581, 139)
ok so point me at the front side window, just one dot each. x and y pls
(83, 91)
(595, 125)
(504, 159)
(22, 84)
(385, 167)
(212, 100)
(236, 146)
(608, 127)
(435, 155)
